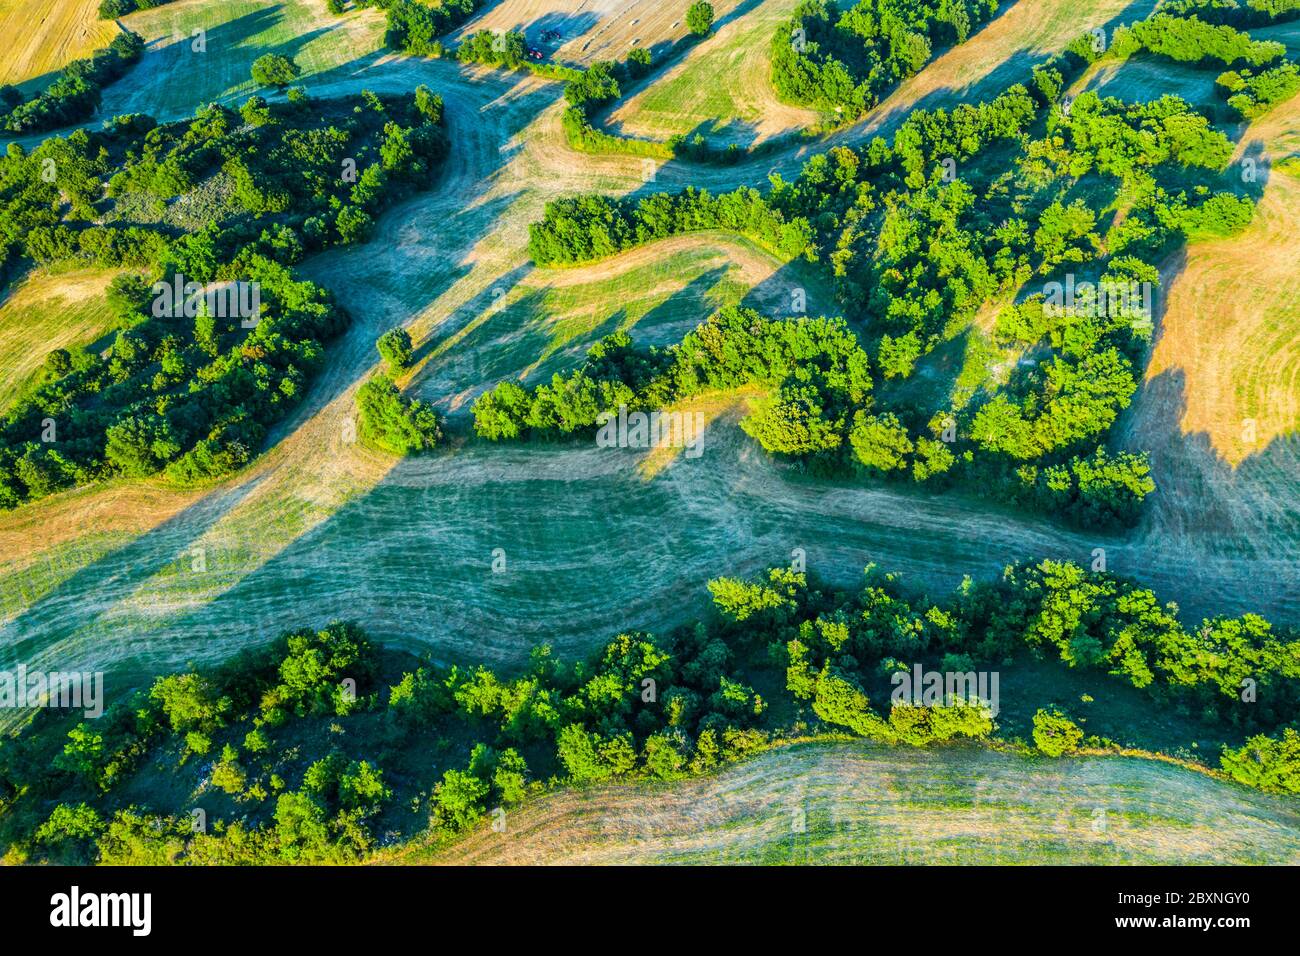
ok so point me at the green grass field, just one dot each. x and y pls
(109, 577)
(174, 78)
(855, 803)
(49, 310)
(719, 88)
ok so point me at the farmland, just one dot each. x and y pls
(479, 551)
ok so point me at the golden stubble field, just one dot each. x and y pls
(43, 36)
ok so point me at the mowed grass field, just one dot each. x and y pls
(43, 36)
(596, 541)
(173, 78)
(856, 803)
(721, 86)
(47, 311)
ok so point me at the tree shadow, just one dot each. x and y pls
(79, 610)
(221, 71)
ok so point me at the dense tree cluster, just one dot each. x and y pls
(1188, 39)
(508, 50)
(1254, 94)
(845, 58)
(964, 208)
(815, 368)
(414, 27)
(74, 95)
(322, 741)
(216, 337)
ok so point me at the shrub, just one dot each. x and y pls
(395, 348)
(638, 61)
(699, 18)
(272, 69)
(1055, 734)
(397, 425)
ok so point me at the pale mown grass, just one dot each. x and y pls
(863, 803)
(49, 310)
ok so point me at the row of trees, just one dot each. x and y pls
(112, 9)
(660, 707)
(844, 60)
(74, 95)
(1188, 39)
(590, 227)
(816, 369)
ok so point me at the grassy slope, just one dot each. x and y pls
(47, 311)
(861, 803)
(596, 541)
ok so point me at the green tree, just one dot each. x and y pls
(458, 800)
(638, 61)
(272, 69)
(699, 18)
(395, 348)
(398, 425)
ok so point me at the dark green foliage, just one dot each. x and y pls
(395, 348)
(507, 50)
(396, 424)
(816, 369)
(272, 69)
(1191, 40)
(111, 9)
(1269, 763)
(1056, 734)
(591, 227)
(699, 18)
(1253, 95)
(845, 58)
(638, 61)
(595, 86)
